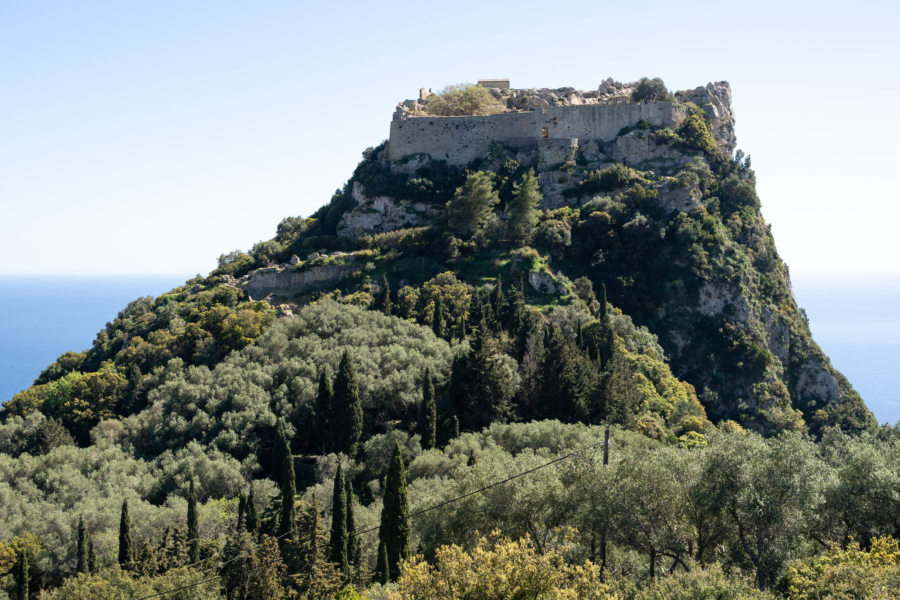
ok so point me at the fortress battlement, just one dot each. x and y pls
(536, 118)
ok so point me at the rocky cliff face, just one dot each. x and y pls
(677, 238)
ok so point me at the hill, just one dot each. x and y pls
(533, 262)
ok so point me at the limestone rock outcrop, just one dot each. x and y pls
(378, 214)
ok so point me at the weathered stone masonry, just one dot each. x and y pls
(459, 140)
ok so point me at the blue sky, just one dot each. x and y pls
(151, 137)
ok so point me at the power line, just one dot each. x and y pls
(415, 514)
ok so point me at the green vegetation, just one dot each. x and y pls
(463, 99)
(473, 203)
(453, 359)
(651, 90)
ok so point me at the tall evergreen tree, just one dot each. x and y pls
(82, 564)
(252, 522)
(382, 570)
(454, 427)
(338, 544)
(482, 383)
(324, 409)
(566, 379)
(437, 318)
(461, 331)
(522, 210)
(354, 544)
(241, 524)
(498, 299)
(126, 548)
(472, 204)
(22, 577)
(193, 526)
(383, 299)
(394, 529)
(288, 485)
(428, 414)
(92, 557)
(348, 414)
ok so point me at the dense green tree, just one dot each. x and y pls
(241, 524)
(394, 530)
(382, 301)
(567, 379)
(522, 210)
(348, 414)
(382, 571)
(354, 542)
(437, 318)
(463, 99)
(315, 576)
(288, 514)
(81, 565)
(251, 570)
(482, 383)
(427, 423)
(651, 90)
(324, 409)
(92, 563)
(193, 525)
(126, 547)
(768, 494)
(252, 521)
(472, 204)
(22, 577)
(338, 543)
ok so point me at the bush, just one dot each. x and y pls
(462, 100)
(611, 178)
(652, 90)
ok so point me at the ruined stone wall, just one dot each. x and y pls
(459, 140)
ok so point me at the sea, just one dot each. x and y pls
(855, 321)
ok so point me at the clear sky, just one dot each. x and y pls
(151, 137)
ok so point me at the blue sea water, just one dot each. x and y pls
(42, 317)
(856, 323)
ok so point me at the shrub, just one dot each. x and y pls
(464, 99)
(608, 179)
(651, 90)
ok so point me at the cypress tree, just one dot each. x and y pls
(92, 557)
(126, 549)
(338, 546)
(604, 309)
(454, 427)
(242, 512)
(394, 529)
(193, 526)
(288, 484)
(498, 301)
(382, 571)
(348, 415)
(383, 300)
(437, 319)
(324, 410)
(252, 522)
(82, 565)
(21, 591)
(354, 545)
(461, 329)
(428, 414)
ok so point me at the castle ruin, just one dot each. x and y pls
(555, 122)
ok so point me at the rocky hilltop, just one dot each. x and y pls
(638, 238)
(677, 237)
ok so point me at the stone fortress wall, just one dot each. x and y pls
(552, 129)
